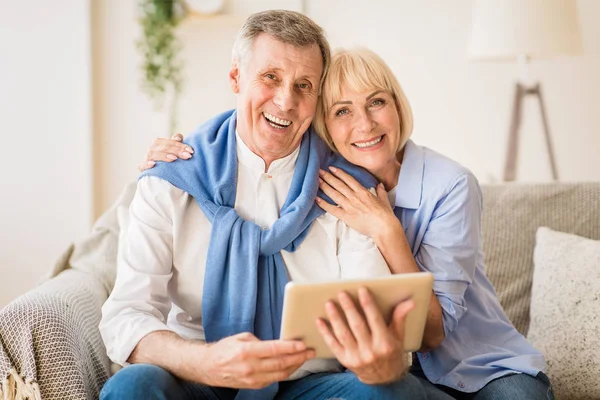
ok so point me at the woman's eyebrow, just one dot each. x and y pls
(373, 94)
(341, 102)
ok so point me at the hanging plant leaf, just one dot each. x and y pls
(160, 47)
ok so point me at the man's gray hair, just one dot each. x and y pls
(288, 27)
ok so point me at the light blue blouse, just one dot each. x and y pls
(439, 204)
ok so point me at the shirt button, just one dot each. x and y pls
(461, 385)
(424, 356)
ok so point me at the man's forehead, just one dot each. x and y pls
(271, 53)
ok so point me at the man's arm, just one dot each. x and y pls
(133, 324)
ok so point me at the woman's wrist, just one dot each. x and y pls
(387, 233)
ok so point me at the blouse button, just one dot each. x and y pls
(461, 385)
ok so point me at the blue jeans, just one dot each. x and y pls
(509, 387)
(149, 382)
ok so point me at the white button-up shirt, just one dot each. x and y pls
(162, 255)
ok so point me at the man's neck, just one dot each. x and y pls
(267, 159)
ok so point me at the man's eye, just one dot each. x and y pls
(271, 76)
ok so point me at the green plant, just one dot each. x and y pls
(160, 47)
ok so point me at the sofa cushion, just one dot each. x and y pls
(565, 310)
(511, 215)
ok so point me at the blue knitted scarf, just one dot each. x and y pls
(245, 273)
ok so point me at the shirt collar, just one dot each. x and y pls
(410, 182)
(252, 161)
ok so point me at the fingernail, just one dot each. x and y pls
(186, 155)
(311, 354)
(321, 172)
(332, 168)
(318, 200)
(150, 163)
(171, 157)
(189, 150)
(300, 346)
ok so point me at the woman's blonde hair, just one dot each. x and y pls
(361, 69)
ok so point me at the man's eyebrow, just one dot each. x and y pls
(373, 94)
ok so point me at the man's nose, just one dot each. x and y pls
(285, 99)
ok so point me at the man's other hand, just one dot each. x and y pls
(245, 362)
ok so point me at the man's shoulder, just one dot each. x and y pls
(155, 187)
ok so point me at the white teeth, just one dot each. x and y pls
(276, 126)
(276, 120)
(371, 143)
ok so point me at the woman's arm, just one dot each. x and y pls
(372, 215)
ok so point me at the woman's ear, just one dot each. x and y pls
(234, 77)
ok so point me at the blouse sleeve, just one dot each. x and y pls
(451, 246)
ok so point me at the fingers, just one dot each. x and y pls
(339, 326)
(347, 179)
(355, 319)
(285, 362)
(146, 165)
(399, 318)
(382, 195)
(375, 320)
(168, 150)
(329, 337)
(274, 348)
(330, 208)
(351, 190)
(338, 185)
(334, 194)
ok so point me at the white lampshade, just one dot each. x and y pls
(504, 30)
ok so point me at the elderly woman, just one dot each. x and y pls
(425, 215)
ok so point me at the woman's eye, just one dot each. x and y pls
(341, 112)
(304, 86)
(271, 76)
(378, 102)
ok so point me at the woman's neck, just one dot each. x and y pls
(389, 174)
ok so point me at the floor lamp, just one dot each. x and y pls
(521, 31)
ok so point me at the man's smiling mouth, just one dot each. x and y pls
(275, 122)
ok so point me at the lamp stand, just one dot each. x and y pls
(510, 166)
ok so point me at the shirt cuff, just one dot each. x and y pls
(131, 331)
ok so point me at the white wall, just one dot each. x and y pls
(45, 130)
(461, 109)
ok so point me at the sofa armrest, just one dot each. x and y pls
(50, 336)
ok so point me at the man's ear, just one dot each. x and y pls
(234, 77)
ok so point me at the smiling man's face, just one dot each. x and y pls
(278, 88)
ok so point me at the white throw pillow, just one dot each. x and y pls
(565, 312)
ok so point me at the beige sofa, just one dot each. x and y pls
(50, 344)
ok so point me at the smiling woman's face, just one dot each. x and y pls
(365, 128)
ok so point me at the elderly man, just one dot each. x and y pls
(196, 306)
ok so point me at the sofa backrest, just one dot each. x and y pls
(511, 215)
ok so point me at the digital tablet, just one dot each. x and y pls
(305, 302)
